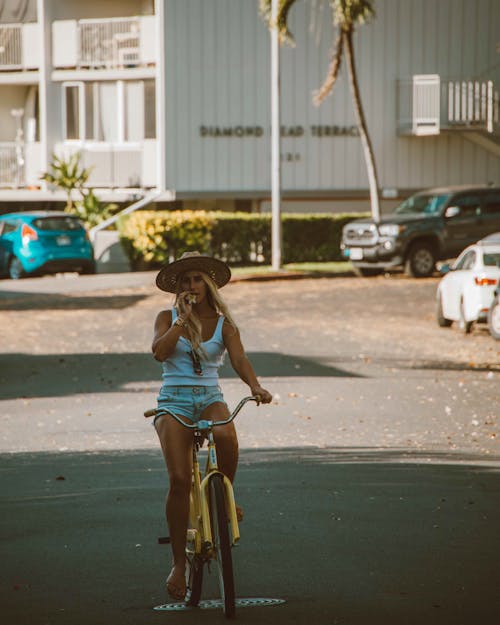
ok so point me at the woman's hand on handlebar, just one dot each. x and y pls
(264, 396)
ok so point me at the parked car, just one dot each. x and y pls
(432, 225)
(42, 242)
(465, 293)
(494, 315)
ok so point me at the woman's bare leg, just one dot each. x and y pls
(225, 439)
(176, 443)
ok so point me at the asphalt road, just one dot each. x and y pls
(370, 485)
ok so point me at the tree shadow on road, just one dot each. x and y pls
(345, 536)
(57, 375)
(10, 300)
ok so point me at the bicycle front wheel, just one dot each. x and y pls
(194, 579)
(221, 544)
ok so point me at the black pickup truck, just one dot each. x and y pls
(429, 226)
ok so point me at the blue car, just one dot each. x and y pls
(34, 243)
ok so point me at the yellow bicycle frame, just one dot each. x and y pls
(199, 509)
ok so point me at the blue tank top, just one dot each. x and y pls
(178, 369)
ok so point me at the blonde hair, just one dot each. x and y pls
(193, 324)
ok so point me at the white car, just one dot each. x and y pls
(466, 291)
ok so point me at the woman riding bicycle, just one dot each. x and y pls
(190, 341)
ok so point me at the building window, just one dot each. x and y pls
(74, 128)
(112, 112)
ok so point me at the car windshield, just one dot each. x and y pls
(491, 259)
(57, 223)
(428, 204)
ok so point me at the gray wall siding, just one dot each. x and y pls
(217, 74)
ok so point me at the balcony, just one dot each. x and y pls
(19, 47)
(128, 165)
(104, 44)
(20, 164)
(113, 166)
(429, 105)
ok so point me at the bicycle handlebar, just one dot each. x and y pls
(203, 424)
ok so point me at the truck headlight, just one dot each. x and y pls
(390, 230)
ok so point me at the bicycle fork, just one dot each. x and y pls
(212, 468)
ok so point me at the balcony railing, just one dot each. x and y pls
(116, 166)
(11, 164)
(104, 43)
(18, 46)
(428, 105)
(472, 103)
(113, 166)
(10, 46)
(108, 43)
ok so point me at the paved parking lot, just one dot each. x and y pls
(351, 361)
(370, 485)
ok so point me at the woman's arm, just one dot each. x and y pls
(165, 336)
(241, 364)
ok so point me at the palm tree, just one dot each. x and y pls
(68, 175)
(346, 15)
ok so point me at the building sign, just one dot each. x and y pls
(242, 132)
(231, 131)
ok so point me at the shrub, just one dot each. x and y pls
(153, 238)
(313, 237)
(241, 238)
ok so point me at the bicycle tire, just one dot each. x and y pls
(194, 580)
(222, 546)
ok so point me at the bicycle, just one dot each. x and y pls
(213, 524)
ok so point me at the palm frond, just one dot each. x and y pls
(348, 13)
(265, 8)
(333, 71)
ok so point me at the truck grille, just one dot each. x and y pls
(360, 234)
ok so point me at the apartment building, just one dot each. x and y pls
(173, 97)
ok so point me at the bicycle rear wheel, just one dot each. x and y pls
(222, 546)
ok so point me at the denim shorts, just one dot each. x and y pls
(189, 401)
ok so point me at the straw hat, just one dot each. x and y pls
(167, 279)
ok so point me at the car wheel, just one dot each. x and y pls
(421, 261)
(16, 270)
(441, 319)
(465, 326)
(494, 318)
(88, 270)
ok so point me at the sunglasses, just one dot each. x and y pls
(196, 362)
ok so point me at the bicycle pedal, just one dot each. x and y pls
(164, 540)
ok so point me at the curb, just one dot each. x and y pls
(290, 275)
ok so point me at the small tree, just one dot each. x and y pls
(70, 176)
(346, 15)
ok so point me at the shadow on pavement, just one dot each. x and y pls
(445, 365)
(56, 375)
(345, 536)
(12, 300)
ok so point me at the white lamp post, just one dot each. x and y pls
(275, 142)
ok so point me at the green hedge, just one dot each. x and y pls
(152, 238)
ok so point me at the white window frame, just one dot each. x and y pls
(121, 117)
(81, 111)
